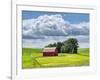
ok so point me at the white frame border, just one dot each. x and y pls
(18, 73)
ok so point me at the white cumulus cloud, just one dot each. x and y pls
(47, 29)
(52, 25)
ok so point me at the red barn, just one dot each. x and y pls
(50, 51)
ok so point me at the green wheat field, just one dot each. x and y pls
(33, 58)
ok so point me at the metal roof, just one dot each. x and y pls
(49, 49)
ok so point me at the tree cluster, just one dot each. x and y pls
(68, 46)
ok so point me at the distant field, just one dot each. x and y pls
(32, 58)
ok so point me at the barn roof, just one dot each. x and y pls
(49, 49)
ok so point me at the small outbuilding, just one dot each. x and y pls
(50, 51)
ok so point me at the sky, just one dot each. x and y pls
(43, 28)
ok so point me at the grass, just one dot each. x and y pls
(33, 58)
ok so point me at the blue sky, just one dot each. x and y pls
(71, 17)
(42, 28)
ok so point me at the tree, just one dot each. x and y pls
(58, 46)
(51, 45)
(71, 45)
(63, 49)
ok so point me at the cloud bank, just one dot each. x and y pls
(51, 28)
